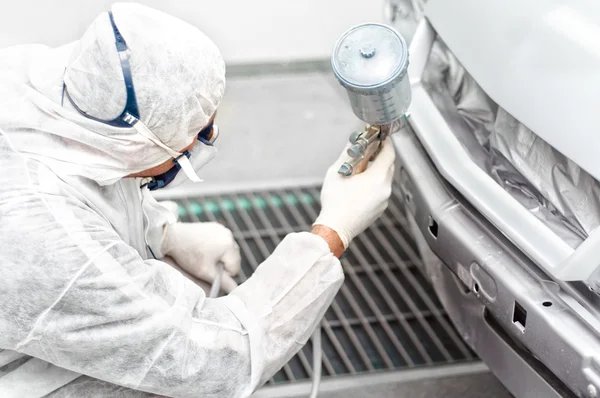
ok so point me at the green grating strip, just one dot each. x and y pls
(227, 204)
(259, 203)
(230, 205)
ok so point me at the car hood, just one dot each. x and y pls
(538, 59)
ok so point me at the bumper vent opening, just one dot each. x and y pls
(433, 227)
(520, 316)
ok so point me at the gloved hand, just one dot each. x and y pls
(351, 204)
(199, 247)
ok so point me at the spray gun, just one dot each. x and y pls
(371, 61)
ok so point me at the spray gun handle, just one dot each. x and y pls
(370, 153)
(365, 146)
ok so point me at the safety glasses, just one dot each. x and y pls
(209, 134)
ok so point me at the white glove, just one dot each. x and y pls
(199, 247)
(349, 205)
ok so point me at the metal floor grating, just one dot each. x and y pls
(385, 317)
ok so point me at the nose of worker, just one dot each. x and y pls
(164, 84)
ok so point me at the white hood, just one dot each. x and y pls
(179, 81)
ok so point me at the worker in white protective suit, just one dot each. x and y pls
(86, 306)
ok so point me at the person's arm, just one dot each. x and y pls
(348, 207)
(331, 238)
(74, 294)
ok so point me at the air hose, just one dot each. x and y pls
(215, 288)
(317, 360)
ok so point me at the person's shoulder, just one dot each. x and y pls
(23, 174)
(14, 60)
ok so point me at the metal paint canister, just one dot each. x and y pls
(371, 62)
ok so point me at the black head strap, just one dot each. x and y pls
(131, 113)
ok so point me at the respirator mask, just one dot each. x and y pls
(202, 153)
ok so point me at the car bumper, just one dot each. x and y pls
(518, 320)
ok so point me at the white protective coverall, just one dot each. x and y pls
(81, 292)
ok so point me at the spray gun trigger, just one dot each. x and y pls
(356, 151)
(355, 136)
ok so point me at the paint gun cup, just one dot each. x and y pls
(371, 62)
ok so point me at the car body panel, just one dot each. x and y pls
(538, 59)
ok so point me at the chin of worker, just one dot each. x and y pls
(88, 308)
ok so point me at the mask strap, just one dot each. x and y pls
(131, 107)
(187, 168)
(131, 114)
(179, 157)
